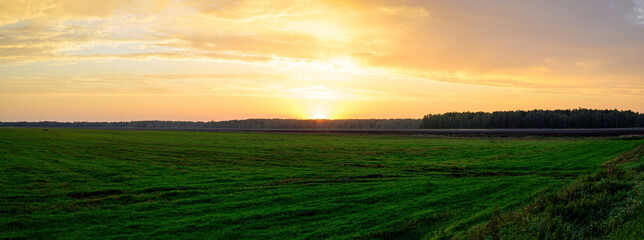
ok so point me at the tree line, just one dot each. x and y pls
(235, 124)
(575, 118)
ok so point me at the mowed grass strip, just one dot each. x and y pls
(66, 183)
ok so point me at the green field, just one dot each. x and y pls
(64, 183)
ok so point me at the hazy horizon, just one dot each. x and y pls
(265, 118)
(125, 60)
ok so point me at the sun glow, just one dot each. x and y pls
(324, 30)
(346, 64)
(320, 114)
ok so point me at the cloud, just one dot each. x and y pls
(115, 84)
(638, 11)
(61, 10)
(284, 29)
(244, 85)
(519, 44)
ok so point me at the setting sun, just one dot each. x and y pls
(320, 114)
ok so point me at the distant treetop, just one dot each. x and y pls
(575, 118)
(236, 124)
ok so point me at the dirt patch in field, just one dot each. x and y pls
(89, 194)
(163, 189)
(468, 172)
(302, 181)
(364, 165)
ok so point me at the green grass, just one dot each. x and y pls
(608, 204)
(66, 183)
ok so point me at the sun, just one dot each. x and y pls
(320, 114)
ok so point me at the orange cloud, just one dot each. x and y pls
(401, 51)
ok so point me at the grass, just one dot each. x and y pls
(608, 204)
(65, 183)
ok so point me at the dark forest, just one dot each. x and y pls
(576, 118)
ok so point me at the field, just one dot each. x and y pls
(64, 183)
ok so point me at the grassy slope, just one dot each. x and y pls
(98, 183)
(608, 204)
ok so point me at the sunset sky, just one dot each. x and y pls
(81, 60)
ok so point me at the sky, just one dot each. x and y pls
(122, 60)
